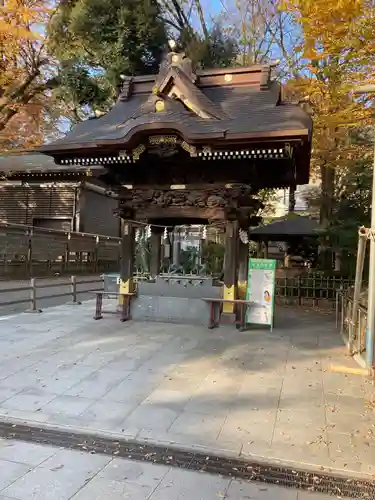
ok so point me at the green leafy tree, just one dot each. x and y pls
(96, 41)
(352, 200)
(213, 257)
(208, 44)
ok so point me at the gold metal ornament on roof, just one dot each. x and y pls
(136, 153)
(288, 150)
(159, 106)
(155, 140)
(189, 148)
(172, 44)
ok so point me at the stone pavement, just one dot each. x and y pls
(34, 472)
(256, 393)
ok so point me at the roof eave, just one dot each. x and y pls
(195, 138)
(292, 134)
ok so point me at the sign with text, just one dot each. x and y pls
(261, 284)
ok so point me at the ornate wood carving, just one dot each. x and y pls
(217, 203)
(163, 146)
(212, 198)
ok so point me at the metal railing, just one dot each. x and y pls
(34, 297)
(27, 251)
(310, 290)
(353, 332)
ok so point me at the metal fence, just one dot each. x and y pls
(26, 251)
(354, 332)
(313, 290)
(34, 296)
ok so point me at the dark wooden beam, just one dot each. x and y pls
(155, 251)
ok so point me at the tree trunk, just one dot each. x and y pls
(326, 210)
(11, 104)
(202, 20)
(292, 199)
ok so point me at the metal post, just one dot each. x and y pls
(370, 330)
(73, 287)
(370, 333)
(357, 285)
(33, 294)
(73, 290)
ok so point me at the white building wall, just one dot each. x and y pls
(281, 205)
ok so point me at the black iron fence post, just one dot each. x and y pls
(33, 297)
(73, 287)
(32, 294)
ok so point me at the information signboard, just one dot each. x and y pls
(261, 285)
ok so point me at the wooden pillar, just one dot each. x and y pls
(243, 263)
(127, 259)
(265, 253)
(155, 252)
(176, 248)
(230, 265)
(259, 249)
(338, 256)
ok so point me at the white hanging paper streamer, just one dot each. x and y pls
(165, 236)
(244, 237)
(137, 235)
(148, 231)
(204, 233)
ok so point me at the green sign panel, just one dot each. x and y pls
(261, 285)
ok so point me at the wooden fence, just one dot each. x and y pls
(26, 251)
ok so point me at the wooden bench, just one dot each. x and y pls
(125, 307)
(216, 311)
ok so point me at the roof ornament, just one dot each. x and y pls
(174, 60)
(125, 89)
(172, 44)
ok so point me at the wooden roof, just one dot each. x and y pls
(228, 105)
(16, 165)
(290, 226)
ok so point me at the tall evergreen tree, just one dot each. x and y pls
(97, 41)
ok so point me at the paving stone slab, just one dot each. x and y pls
(148, 416)
(28, 400)
(181, 484)
(10, 472)
(68, 405)
(40, 484)
(102, 489)
(139, 473)
(24, 453)
(240, 490)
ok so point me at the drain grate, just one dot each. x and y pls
(335, 485)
